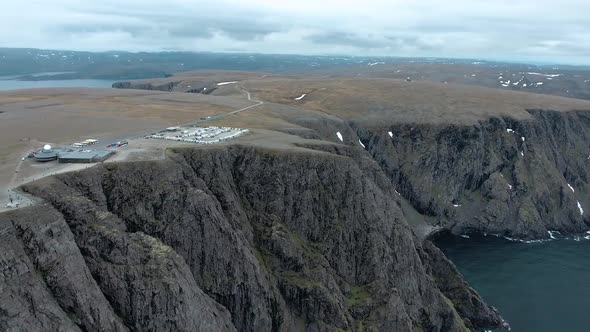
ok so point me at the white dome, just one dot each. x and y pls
(47, 147)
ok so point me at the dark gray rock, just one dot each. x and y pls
(168, 86)
(50, 246)
(263, 240)
(504, 185)
(26, 302)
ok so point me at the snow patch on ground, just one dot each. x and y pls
(301, 97)
(522, 153)
(522, 138)
(509, 130)
(361, 143)
(226, 83)
(546, 75)
(580, 208)
(510, 186)
(340, 136)
(391, 135)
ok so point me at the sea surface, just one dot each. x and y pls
(11, 83)
(540, 287)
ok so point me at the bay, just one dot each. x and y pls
(541, 287)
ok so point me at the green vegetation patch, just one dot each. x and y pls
(299, 280)
(359, 295)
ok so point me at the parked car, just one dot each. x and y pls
(122, 144)
(112, 145)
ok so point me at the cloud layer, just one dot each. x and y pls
(530, 30)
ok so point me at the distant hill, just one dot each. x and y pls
(26, 64)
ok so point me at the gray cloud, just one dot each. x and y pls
(345, 39)
(371, 42)
(501, 29)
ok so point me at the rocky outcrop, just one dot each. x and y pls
(93, 276)
(166, 86)
(232, 238)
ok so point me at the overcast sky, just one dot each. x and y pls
(531, 30)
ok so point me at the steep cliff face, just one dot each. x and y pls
(519, 178)
(233, 238)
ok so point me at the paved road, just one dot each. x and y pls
(221, 116)
(258, 103)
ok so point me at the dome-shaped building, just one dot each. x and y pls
(47, 154)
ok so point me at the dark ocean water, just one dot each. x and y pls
(540, 287)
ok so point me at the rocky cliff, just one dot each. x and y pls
(464, 159)
(225, 239)
(519, 178)
(166, 86)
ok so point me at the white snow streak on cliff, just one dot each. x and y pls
(572, 188)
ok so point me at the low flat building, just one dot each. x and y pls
(47, 155)
(85, 156)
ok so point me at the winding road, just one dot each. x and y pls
(258, 103)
